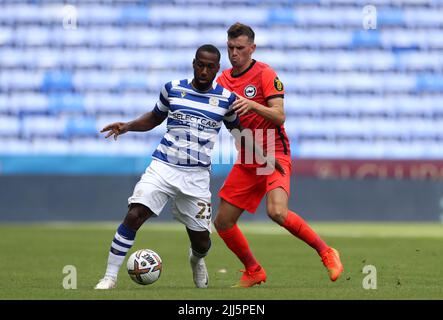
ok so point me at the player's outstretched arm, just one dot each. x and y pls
(274, 112)
(146, 122)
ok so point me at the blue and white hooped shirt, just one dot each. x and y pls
(194, 121)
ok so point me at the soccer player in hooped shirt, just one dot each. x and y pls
(179, 170)
(260, 108)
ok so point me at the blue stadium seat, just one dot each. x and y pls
(28, 103)
(57, 80)
(98, 14)
(134, 14)
(77, 37)
(96, 103)
(6, 36)
(133, 81)
(81, 58)
(429, 82)
(60, 85)
(424, 17)
(80, 126)
(95, 80)
(284, 16)
(21, 80)
(366, 38)
(390, 17)
(9, 126)
(137, 103)
(65, 102)
(42, 126)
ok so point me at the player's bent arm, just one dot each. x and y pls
(274, 112)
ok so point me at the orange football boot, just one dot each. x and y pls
(251, 278)
(331, 260)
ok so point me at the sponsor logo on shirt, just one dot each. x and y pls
(250, 91)
(213, 101)
(194, 121)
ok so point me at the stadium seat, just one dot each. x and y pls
(28, 103)
(95, 80)
(57, 81)
(366, 38)
(9, 126)
(134, 14)
(58, 86)
(80, 126)
(429, 82)
(281, 17)
(96, 103)
(42, 126)
(133, 81)
(98, 14)
(65, 102)
(390, 17)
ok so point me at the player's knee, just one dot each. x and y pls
(277, 213)
(222, 224)
(136, 216)
(217, 223)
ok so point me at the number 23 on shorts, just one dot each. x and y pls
(205, 207)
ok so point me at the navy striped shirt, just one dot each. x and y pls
(194, 121)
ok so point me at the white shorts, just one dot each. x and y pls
(187, 187)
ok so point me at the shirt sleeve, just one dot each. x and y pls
(272, 86)
(162, 106)
(231, 116)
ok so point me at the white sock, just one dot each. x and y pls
(121, 244)
(114, 264)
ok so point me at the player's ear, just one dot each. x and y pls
(253, 47)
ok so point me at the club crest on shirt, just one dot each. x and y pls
(213, 101)
(250, 91)
(183, 94)
(278, 85)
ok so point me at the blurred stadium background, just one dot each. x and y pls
(364, 105)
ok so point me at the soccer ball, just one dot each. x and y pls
(144, 266)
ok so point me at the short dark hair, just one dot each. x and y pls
(239, 29)
(209, 48)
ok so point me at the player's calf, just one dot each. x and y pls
(122, 242)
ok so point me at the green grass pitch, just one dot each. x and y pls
(408, 260)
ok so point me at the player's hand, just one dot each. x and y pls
(242, 105)
(279, 167)
(116, 129)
